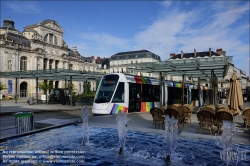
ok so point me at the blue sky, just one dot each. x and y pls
(104, 28)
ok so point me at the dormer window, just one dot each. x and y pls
(50, 38)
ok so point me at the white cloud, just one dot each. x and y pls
(180, 28)
(185, 30)
(23, 7)
(166, 3)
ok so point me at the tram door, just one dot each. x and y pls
(134, 97)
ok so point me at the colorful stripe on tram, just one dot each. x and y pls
(146, 106)
(177, 85)
(203, 87)
(117, 107)
(193, 103)
(142, 80)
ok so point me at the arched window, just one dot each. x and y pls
(23, 63)
(50, 38)
(9, 65)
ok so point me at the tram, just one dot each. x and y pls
(132, 93)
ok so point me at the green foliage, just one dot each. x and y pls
(3, 86)
(73, 87)
(87, 90)
(45, 86)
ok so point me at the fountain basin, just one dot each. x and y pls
(63, 145)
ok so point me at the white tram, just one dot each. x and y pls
(132, 93)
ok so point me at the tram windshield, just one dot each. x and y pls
(106, 88)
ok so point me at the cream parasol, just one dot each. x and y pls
(235, 99)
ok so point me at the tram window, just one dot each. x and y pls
(146, 93)
(195, 94)
(177, 96)
(106, 89)
(170, 95)
(119, 94)
(150, 93)
(156, 93)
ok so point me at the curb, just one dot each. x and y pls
(39, 130)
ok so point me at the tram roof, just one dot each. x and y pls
(192, 67)
(53, 74)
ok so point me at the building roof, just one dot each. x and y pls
(44, 22)
(18, 39)
(135, 54)
(29, 30)
(198, 54)
(8, 24)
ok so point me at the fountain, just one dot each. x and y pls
(171, 135)
(62, 146)
(122, 121)
(85, 126)
(225, 141)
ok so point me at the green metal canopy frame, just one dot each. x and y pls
(192, 67)
(208, 68)
(53, 74)
(205, 68)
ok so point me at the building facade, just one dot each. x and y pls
(118, 63)
(39, 47)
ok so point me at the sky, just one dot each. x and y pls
(104, 28)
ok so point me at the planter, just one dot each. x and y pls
(43, 97)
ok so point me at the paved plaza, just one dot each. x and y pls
(54, 115)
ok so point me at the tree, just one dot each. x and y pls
(87, 90)
(73, 87)
(45, 86)
(3, 86)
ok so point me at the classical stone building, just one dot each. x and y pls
(118, 63)
(39, 47)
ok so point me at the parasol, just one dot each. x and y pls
(235, 99)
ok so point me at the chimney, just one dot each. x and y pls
(194, 53)
(181, 54)
(172, 55)
(221, 52)
(210, 54)
(74, 49)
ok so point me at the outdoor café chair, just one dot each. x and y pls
(205, 119)
(221, 116)
(157, 115)
(246, 116)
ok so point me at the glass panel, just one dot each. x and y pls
(119, 94)
(106, 88)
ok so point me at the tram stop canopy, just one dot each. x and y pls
(205, 68)
(192, 67)
(53, 74)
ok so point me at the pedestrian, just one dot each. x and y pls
(245, 99)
